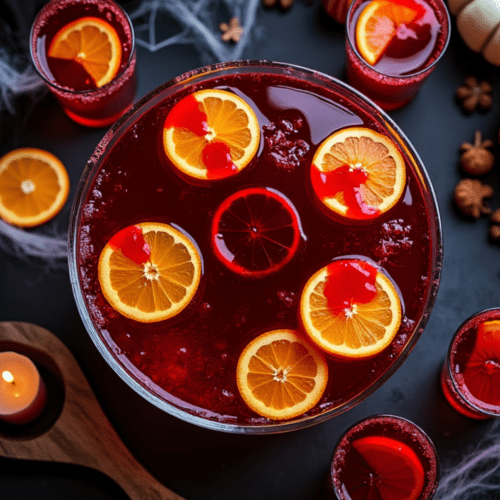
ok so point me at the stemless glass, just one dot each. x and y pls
(452, 378)
(391, 427)
(130, 126)
(388, 91)
(97, 107)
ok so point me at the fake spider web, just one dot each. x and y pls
(194, 22)
(477, 475)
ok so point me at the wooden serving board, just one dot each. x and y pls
(82, 434)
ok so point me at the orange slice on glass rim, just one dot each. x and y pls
(281, 376)
(93, 43)
(400, 474)
(377, 25)
(211, 134)
(34, 186)
(358, 173)
(350, 309)
(149, 271)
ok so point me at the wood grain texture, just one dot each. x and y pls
(82, 434)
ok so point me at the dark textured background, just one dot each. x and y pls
(201, 464)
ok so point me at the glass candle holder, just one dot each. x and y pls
(384, 457)
(471, 372)
(81, 99)
(392, 81)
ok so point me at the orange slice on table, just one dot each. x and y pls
(358, 173)
(211, 134)
(377, 25)
(93, 43)
(34, 186)
(342, 318)
(280, 376)
(150, 271)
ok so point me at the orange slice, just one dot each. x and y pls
(211, 134)
(280, 376)
(93, 43)
(399, 472)
(481, 372)
(350, 309)
(358, 173)
(256, 231)
(34, 186)
(150, 271)
(377, 25)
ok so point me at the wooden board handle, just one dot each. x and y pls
(82, 434)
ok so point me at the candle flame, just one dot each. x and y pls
(8, 377)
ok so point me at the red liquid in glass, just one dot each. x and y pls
(70, 74)
(413, 44)
(396, 77)
(191, 359)
(384, 458)
(74, 88)
(474, 363)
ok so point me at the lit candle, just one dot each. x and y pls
(22, 391)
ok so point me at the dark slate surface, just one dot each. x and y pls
(204, 465)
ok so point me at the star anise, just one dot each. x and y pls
(475, 158)
(474, 94)
(231, 31)
(470, 195)
(284, 4)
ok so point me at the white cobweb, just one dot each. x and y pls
(16, 80)
(477, 475)
(17, 74)
(195, 22)
(50, 248)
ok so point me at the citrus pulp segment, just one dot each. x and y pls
(150, 271)
(358, 173)
(91, 42)
(211, 134)
(280, 376)
(352, 324)
(398, 469)
(377, 25)
(481, 371)
(34, 186)
(256, 231)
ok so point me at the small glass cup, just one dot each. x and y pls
(453, 380)
(98, 107)
(388, 91)
(382, 427)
